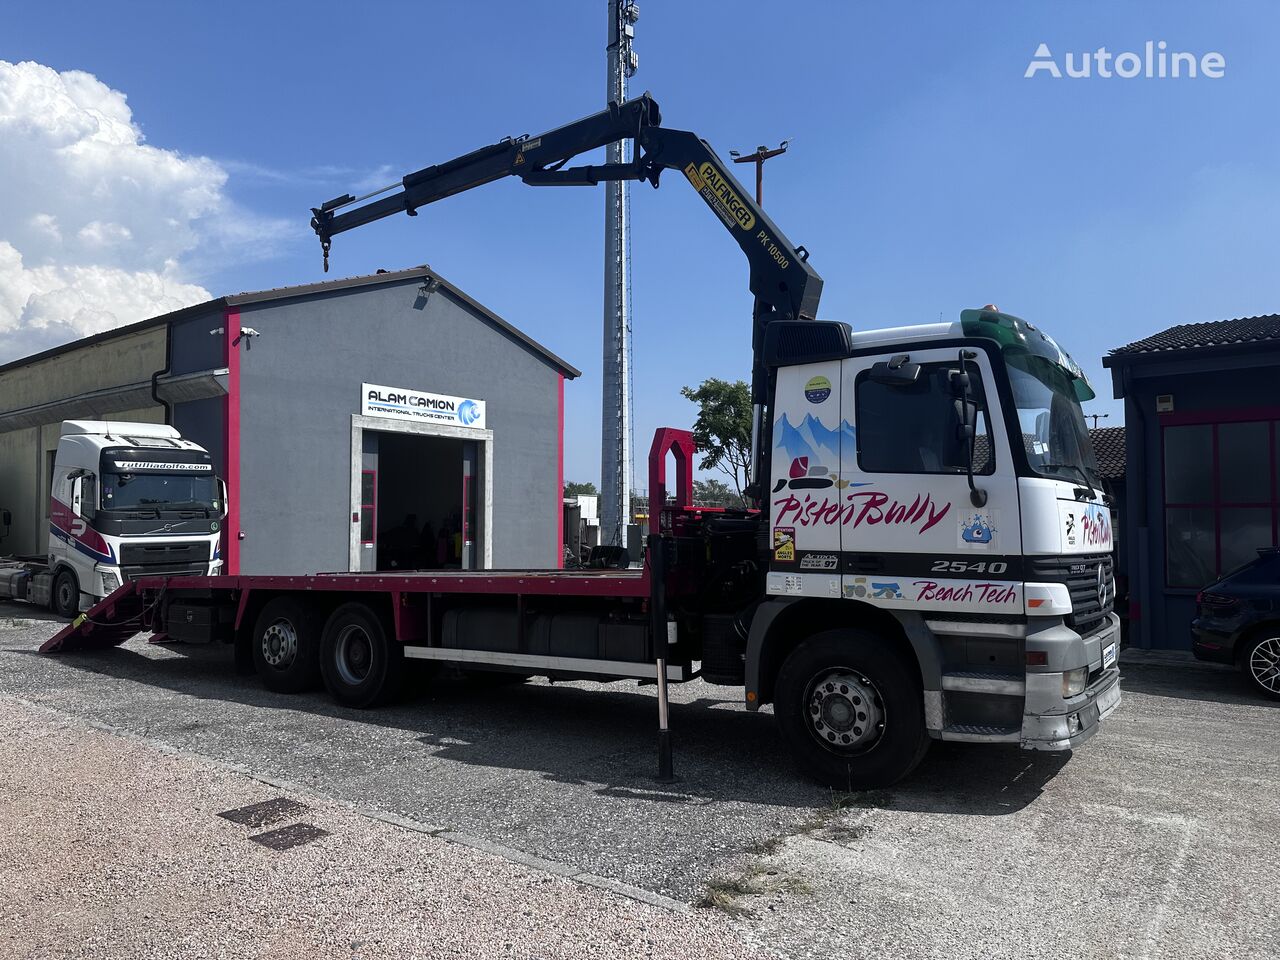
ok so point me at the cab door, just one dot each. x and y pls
(912, 533)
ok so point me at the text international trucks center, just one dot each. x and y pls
(379, 422)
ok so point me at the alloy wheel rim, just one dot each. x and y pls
(1264, 664)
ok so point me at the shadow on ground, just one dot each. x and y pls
(600, 736)
(1190, 679)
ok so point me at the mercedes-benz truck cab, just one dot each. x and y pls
(943, 474)
(129, 500)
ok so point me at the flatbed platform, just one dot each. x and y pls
(600, 583)
(117, 617)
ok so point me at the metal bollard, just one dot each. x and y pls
(658, 630)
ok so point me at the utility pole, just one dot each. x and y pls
(615, 407)
(758, 158)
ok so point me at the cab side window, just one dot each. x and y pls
(916, 427)
(88, 495)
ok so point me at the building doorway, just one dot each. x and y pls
(420, 501)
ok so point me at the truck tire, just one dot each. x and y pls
(360, 661)
(851, 710)
(66, 594)
(286, 646)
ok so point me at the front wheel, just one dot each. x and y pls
(66, 594)
(851, 710)
(1260, 661)
(359, 659)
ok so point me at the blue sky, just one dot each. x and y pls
(926, 174)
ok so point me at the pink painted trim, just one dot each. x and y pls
(231, 443)
(560, 474)
(1236, 415)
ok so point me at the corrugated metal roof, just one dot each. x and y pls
(1108, 448)
(1214, 333)
(423, 272)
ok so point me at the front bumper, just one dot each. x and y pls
(1052, 722)
(1080, 718)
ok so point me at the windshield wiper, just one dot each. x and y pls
(1093, 494)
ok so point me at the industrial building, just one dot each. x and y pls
(379, 422)
(1202, 445)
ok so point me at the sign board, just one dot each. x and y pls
(401, 403)
(161, 466)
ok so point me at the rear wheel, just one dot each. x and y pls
(286, 646)
(360, 661)
(851, 710)
(1260, 661)
(66, 594)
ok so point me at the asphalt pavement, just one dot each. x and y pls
(1158, 838)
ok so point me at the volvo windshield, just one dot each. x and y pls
(151, 491)
(137, 480)
(1048, 387)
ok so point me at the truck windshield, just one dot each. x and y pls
(169, 491)
(1053, 431)
(1048, 387)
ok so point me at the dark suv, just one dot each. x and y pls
(1238, 621)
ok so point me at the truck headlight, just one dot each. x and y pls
(110, 584)
(1073, 681)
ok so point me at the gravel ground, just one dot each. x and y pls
(113, 849)
(1160, 839)
(1157, 839)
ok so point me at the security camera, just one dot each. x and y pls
(246, 332)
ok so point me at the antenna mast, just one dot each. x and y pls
(615, 420)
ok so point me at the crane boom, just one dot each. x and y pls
(784, 285)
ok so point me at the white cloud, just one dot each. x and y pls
(96, 224)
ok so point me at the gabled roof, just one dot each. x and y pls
(423, 272)
(1214, 333)
(1108, 448)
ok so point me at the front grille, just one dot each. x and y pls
(168, 554)
(1080, 575)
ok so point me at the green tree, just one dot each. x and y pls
(723, 428)
(716, 493)
(572, 489)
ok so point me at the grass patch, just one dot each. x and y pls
(727, 894)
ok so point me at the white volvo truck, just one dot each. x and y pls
(126, 500)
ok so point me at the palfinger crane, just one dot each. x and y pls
(784, 285)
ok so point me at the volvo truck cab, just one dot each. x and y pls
(129, 500)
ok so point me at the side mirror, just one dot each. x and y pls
(896, 371)
(967, 414)
(222, 491)
(77, 494)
